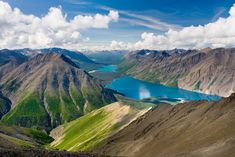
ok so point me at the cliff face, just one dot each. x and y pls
(210, 71)
(50, 89)
(215, 74)
(193, 129)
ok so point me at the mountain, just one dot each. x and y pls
(11, 55)
(9, 60)
(210, 70)
(192, 129)
(77, 57)
(215, 74)
(20, 55)
(49, 90)
(89, 131)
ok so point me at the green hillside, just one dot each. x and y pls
(88, 132)
(18, 137)
(50, 90)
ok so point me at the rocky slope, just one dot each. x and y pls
(193, 129)
(209, 70)
(215, 74)
(49, 90)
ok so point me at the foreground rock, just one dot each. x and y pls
(193, 129)
(42, 153)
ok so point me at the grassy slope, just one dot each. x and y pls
(52, 91)
(62, 107)
(18, 137)
(24, 113)
(154, 76)
(87, 132)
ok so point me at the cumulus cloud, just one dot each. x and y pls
(115, 45)
(18, 30)
(220, 33)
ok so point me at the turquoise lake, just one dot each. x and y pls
(138, 89)
(106, 68)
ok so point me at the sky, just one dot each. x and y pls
(117, 24)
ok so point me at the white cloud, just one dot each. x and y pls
(143, 20)
(18, 30)
(220, 33)
(115, 45)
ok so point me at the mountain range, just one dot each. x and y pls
(208, 70)
(51, 106)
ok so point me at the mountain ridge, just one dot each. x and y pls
(56, 87)
(192, 129)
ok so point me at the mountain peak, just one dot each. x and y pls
(51, 89)
(52, 57)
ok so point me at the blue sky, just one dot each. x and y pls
(135, 16)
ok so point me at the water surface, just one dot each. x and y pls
(138, 89)
(106, 68)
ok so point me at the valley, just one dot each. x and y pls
(79, 109)
(106, 78)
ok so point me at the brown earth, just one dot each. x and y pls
(193, 129)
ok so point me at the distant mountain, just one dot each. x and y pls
(21, 54)
(49, 90)
(192, 129)
(107, 57)
(11, 55)
(9, 60)
(77, 57)
(210, 70)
